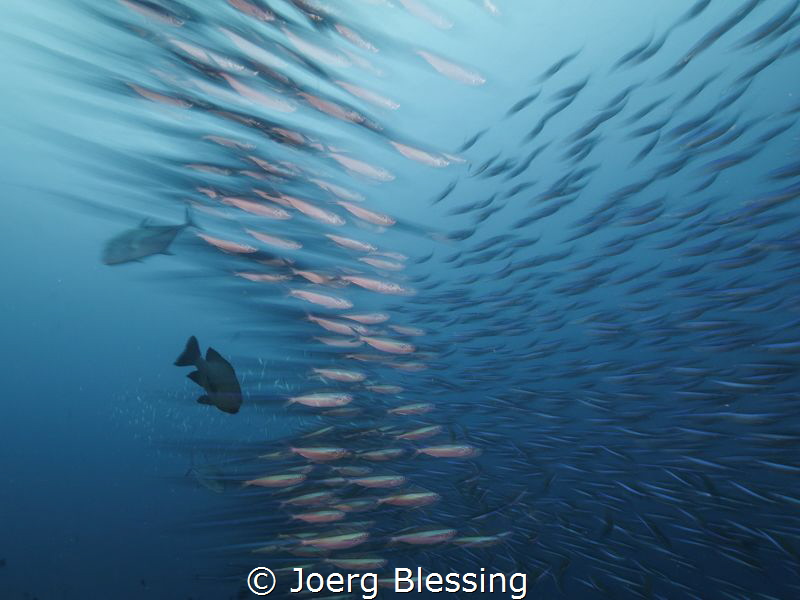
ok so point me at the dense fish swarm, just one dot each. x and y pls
(577, 358)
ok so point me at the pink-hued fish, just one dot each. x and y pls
(321, 454)
(421, 156)
(262, 99)
(366, 357)
(333, 109)
(261, 277)
(450, 451)
(382, 455)
(332, 481)
(315, 212)
(363, 63)
(276, 199)
(422, 11)
(160, 98)
(322, 399)
(333, 326)
(207, 191)
(229, 143)
(337, 190)
(368, 318)
(253, 174)
(389, 345)
(310, 499)
(322, 299)
(368, 95)
(403, 330)
(274, 241)
(356, 505)
(420, 433)
(288, 136)
(379, 481)
(362, 168)
(430, 536)
(314, 52)
(251, 10)
(350, 243)
(274, 262)
(340, 342)
(226, 245)
(375, 218)
(408, 366)
(278, 481)
(411, 499)
(210, 58)
(336, 541)
(385, 389)
(214, 170)
(256, 52)
(452, 70)
(419, 408)
(354, 38)
(284, 170)
(379, 263)
(393, 255)
(313, 277)
(376, 285)
(257, 208)
(340, 375)
(320, 516)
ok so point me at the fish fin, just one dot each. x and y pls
(204, 400)
(190, 355)
(213, 355)
(145, 222)
(167, 252)
(196, 377)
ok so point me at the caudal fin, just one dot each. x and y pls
(190, 355)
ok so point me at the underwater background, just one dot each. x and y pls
(500, 284)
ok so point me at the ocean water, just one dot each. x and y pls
(494, 286)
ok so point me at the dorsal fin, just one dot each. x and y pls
(214, 356)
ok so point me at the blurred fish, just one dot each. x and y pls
(145, 240)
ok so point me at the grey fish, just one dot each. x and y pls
(215, 375)
(143, 241)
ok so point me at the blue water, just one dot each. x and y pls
(593, 236)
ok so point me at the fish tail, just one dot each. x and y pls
(190, 355)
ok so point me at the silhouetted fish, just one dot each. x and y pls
(214, 374)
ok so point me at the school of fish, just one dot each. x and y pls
(577, 357)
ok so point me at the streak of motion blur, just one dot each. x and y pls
(533, 308)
